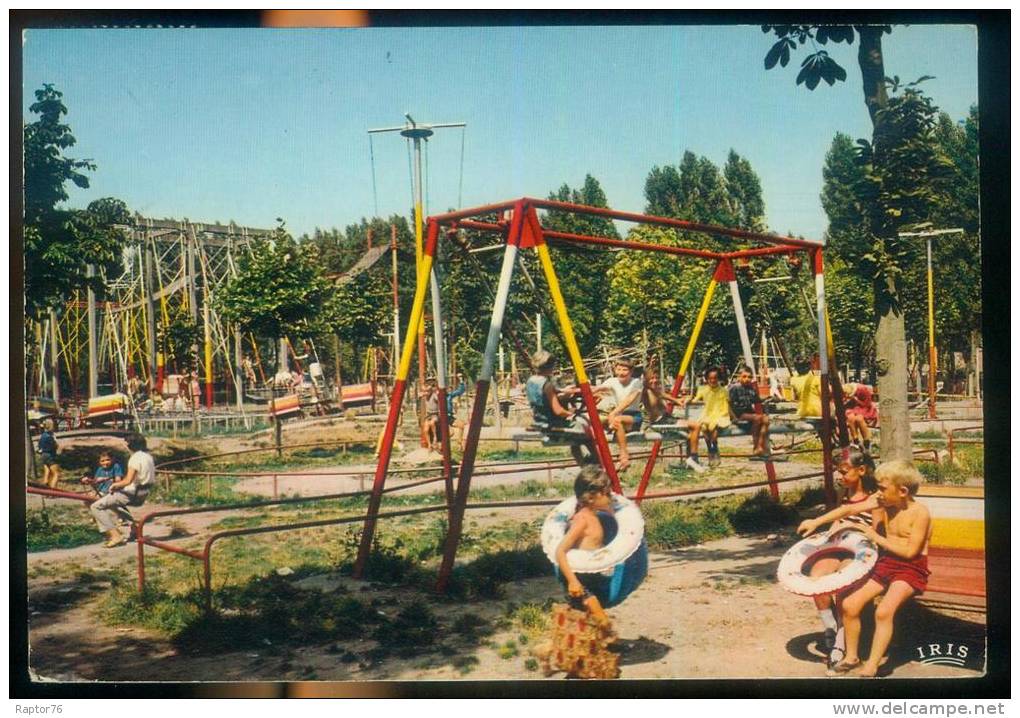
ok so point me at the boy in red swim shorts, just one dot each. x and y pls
(903, 531)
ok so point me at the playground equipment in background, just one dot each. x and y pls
(112, 407)
(520, 228)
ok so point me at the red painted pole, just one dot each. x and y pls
(467, 462)
(399, 388)
(444, 437)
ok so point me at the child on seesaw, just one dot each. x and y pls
(901, 531)
(103, 477)
(592, 489)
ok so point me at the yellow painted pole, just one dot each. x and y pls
(698, 324)
(692, 342)
(561, 313)
(577, 361)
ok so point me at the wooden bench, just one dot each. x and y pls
(957, 578)
(956, 555)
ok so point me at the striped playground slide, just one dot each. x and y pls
(110, 406)
(356, 394)
(286, 406)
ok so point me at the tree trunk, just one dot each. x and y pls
(891, 364)
(869, 57)
(891, 336)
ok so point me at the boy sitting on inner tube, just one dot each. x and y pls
(901, 531)
(587, 533)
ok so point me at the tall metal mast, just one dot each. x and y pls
(417, 132)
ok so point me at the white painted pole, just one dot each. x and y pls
(745, 340)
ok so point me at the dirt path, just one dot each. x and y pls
(708, 611)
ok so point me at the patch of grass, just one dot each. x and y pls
(471, 627)
(670, 525)
(509, 454)
(531, 664)
(465, 664)
(413, 629)
(508, 650)
(486, 576)
(760, 513)
(969, 466)
(59, 527)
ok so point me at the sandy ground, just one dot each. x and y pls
(707, 611)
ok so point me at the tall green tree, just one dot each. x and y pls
(60, 242)
(279, 290)
(897, 157)
(658, 295)
(582, 271)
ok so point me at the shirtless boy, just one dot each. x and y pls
(592, 490)
(902, 530)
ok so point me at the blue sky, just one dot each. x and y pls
(250, 125)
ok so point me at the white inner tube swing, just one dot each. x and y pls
(845, 543)
(622, 562)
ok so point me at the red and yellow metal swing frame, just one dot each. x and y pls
(521, 229)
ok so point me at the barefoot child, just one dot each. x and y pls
(626, 415)
(857, 474)
(902, 535)
(48, 451)
(586, 532)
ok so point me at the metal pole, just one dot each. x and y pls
(932, 356)
(207, 329)
(481, 394)
(239, 372)
(54, 357)
(396, 299)
(538, 331)
(90, 272)
(399, 387)
(685, 362)
(444, 422)
(417, 132)
(146, 260)
(823, 367)
(422, 358)
(745, 340)
(931, 338)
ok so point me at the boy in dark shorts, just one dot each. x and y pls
(902, 535)
(48, 452)
(743, 398)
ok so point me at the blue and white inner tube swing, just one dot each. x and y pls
(845, 543)
(612, 572)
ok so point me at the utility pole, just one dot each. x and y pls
(90, 271)
(418, 132)
(928, 234)
(396, 303)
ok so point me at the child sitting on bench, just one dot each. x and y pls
(902, 531)
(716, 415)
(546, 402)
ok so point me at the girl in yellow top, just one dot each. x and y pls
(716, 415)
(808, 388)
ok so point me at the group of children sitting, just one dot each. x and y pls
(640, 399)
